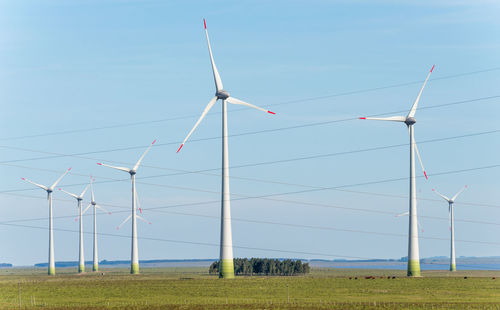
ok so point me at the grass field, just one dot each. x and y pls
(193, 288)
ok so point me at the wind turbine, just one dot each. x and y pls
(226, 269)
(95, 266)
(49, 190)
(409, 120)
(79, 198)
(134, 261)
(453, 265)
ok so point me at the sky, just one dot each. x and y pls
(93, 81)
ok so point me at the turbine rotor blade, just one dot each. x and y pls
(207, 108)
(137, 201)
(415, 104)
(390, 118)
(457, 194)
(125, 221)
(144, 154)
(420, 160)
(402, 214)
(99, 207)
(71, 194)
(92, 189)
(418, 155)
(117, 168)
(84, 191)
(241, 102)
(442, 196)
(59, 180)
(217, 79)
(420, 226)
(142, 219)
(36, 184)
(85, 210)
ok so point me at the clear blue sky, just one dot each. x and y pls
(71, 65)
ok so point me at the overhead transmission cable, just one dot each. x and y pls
(147, 122)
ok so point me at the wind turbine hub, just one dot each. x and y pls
(410, 121)
(222, 94)
(132, 172)
(49, 191)
(93, 203)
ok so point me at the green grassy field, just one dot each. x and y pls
(193, 288)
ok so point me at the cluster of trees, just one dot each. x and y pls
(265, 266)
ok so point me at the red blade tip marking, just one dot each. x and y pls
(149, 223)
(426, 176)
(180, 147)
(362, 118)
(433, 189)
(204, 23)
(60, 189)
(154, 141)
(432, 68)
(69, 168)
(466, 186)
(271, 112)
(109, 213)
(117, 228)
(23, 179)
(99, 164)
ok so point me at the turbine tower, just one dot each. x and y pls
(453, 264)
(79, 198)
(49, 190)
(95, 265)
(226, 267)
(409, 120)
(134, 261)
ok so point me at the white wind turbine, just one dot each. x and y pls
(49, 190)
(226, 268)
(95, 266)
(409, 120)
(134, 261)
(79, 198)
(453, 264)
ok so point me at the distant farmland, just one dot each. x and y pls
(193, 288)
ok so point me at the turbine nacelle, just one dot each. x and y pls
(222, 94)
(410, 121)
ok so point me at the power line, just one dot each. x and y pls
(146, 122)
(206, 243)
(190, 242)
(205, 172)
(268, 197)
(56, 155)
(275, 161)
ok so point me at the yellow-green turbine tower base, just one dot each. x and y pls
(413, 268)
(52, 271)
(453, 267)
(226, 269)
(81, 268)
(95, 268)
(134, 268)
